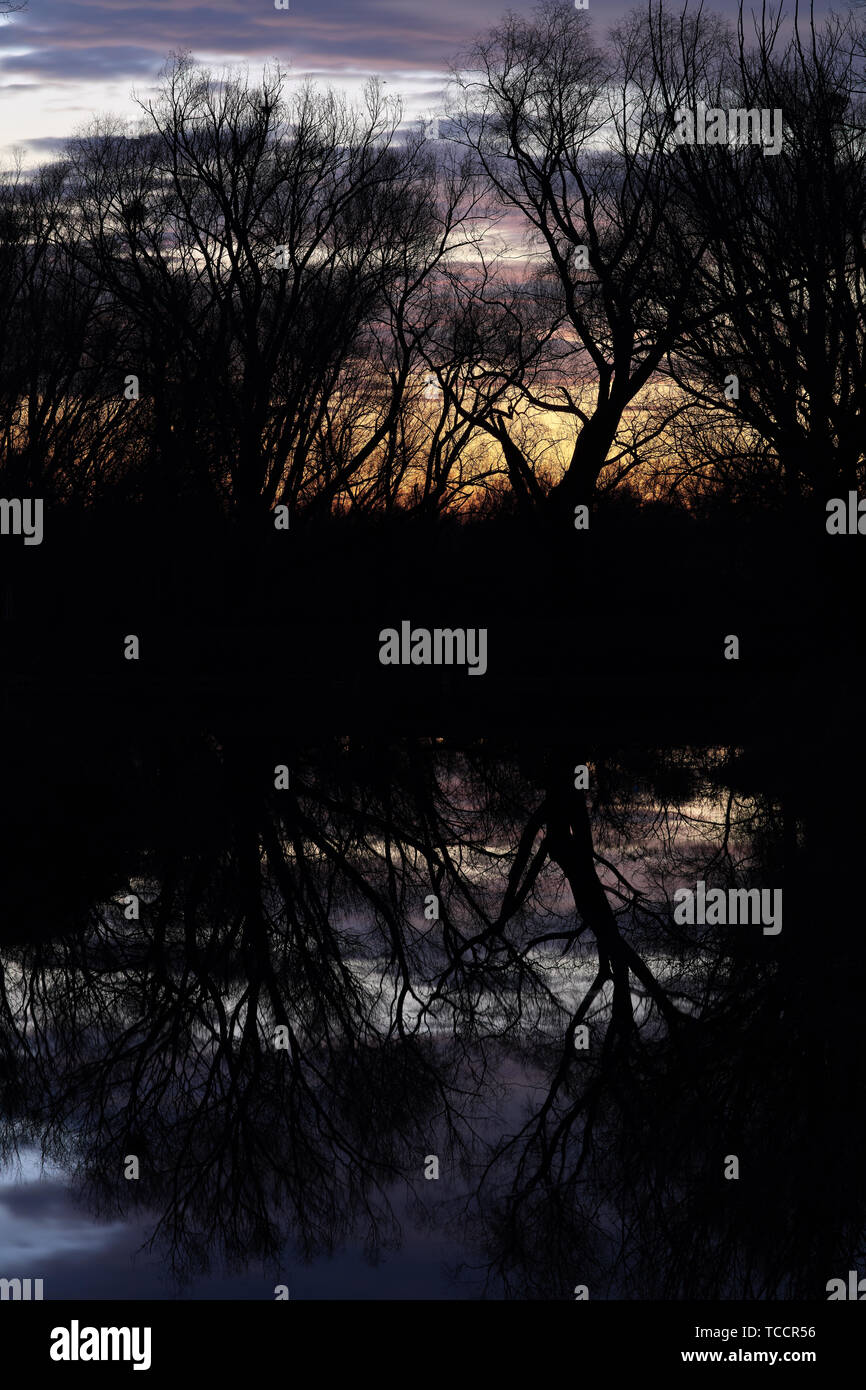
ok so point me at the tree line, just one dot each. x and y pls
(263, 295)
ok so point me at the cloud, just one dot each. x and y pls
(50, 143)
(56, 65)
(82, 40)
(39, 1223)
(79, 40)
(60, 59)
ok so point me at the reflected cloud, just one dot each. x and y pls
(421, 951)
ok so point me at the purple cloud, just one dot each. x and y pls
(79, 40)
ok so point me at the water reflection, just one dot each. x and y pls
(466, 957)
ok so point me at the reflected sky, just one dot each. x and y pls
(44, 1234)
(579, 1063)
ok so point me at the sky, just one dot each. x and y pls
(61, 61)
(46, 1234)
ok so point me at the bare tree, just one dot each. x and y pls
(568, 144)
(272, 253)
(778, 292)
(61, 416)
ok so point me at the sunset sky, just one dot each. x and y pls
(62, 60)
